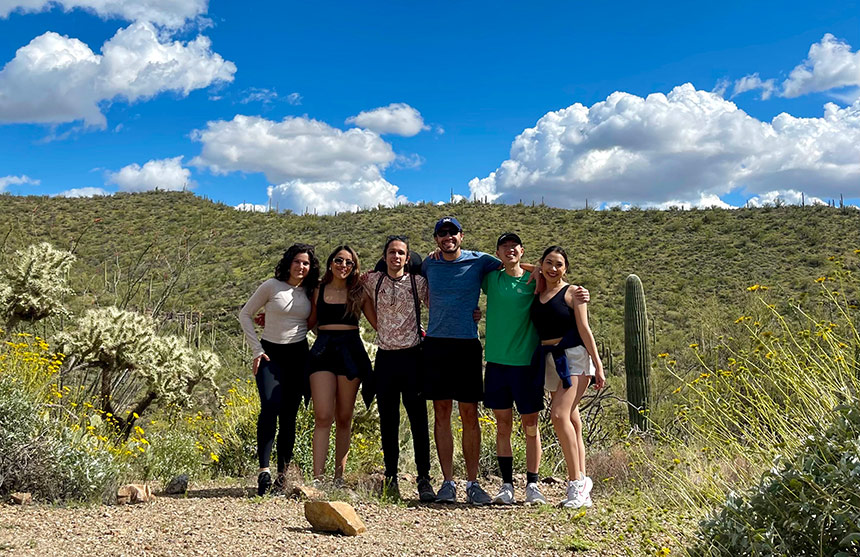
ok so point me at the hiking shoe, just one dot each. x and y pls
(505, 496)
(477, 496)
(533, 495)
(447, 493)
(425, 491)
(264, 482)
(339, 483)
(576, 497)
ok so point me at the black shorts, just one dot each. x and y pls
(505, 385)
(452, 369)
(340, 352)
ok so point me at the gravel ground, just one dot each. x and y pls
(231, 521)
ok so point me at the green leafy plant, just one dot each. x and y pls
(808, 504)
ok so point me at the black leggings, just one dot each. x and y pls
(397, 373)
(280, 382)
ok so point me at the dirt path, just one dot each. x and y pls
(229, 521)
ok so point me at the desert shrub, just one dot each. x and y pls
(237, 427)
(808, 504)
(34, 285)
(135, 366)
(755, 392)
(39, 452)
(173, 451)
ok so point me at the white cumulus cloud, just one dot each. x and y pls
(753, 82)
(163, 174)
(251, 207)
(83, 192)
(169, 13)
(830, 64)
(396, 118)
(6, 181)
(787, 197)
(312, 164)
(688, 147)
(57, 79)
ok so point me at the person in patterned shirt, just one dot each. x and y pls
(397, 295)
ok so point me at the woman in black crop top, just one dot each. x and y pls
(338, 360)
(569, 356)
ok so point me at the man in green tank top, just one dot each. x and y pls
(510, 342)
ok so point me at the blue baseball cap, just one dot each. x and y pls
(447, 221)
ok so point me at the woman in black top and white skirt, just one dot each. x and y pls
(569, 358)
(338, 360)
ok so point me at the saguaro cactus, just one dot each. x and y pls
(637, 354)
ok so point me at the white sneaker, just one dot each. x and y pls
(576, 497)
(505, 496)
(588, 485)
(533, 495)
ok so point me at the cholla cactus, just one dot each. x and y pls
(137, 366)
(34, 284)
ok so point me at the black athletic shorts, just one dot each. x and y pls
(504, 385)
(452, 369)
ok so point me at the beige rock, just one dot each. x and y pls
(22, 498)
(134, 493)
(306, 492)
(334, 516)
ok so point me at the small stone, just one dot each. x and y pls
(178, 485)
(306, 492)
(134, 493)
(334, 516)
(551, 480)
(22, 498)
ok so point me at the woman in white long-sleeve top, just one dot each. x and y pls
(280, 357)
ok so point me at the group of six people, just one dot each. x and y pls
(537, 338)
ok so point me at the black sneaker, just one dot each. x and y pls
(425, 491)
(264, 482)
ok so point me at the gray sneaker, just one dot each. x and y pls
(447, 493)
(477, 496)
(533, 495)
(505, 496)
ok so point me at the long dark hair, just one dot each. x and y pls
(559, 250)
(354, 290)
(282, 269)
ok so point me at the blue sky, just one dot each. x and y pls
(504, 100)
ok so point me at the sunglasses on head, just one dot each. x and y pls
(447, 232)
(398, 238)
(342, 261)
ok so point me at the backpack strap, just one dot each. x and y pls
(376, 293)
(417, 306)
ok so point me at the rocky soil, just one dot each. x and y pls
(233, 521)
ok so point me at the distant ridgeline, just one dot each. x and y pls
(184, 255)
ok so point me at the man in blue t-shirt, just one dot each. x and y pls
(453, 356)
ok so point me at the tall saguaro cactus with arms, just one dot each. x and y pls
(637, 353)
